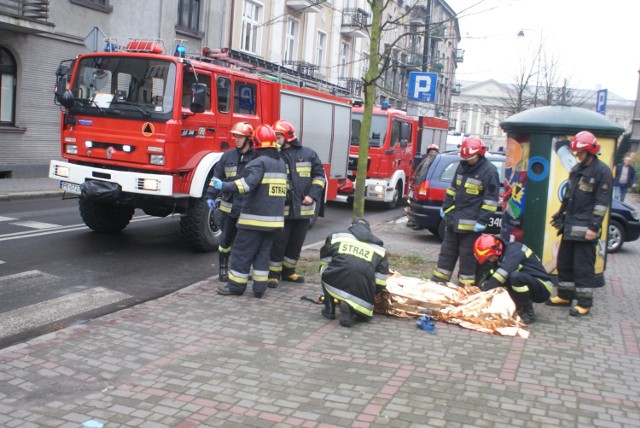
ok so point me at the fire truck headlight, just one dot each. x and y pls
(156, 159)
(62, 171)
(376, 191)
(150, 184)
(71, 149)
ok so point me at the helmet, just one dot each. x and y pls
(264, 138)
(472, 146)
(487, 246)
(585, 140)
(433, 147)
(242, 128)
(285, 128)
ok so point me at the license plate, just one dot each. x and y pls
(70, 187)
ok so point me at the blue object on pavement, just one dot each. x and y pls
(426, 323)
(479, 227)
(217, 183)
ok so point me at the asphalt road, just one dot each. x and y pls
(56, 272)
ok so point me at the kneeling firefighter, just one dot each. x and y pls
(354, 268)
(517, 268)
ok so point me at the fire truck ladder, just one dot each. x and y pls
(301, 77)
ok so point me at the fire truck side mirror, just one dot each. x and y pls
(62, 74)
(198, 97)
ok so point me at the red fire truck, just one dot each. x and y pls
(143, 129)
(394, 150)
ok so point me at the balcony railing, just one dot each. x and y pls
(354, 18)
(31, 9)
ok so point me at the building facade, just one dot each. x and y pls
(325, 40)
(480, 107)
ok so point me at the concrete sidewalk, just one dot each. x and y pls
(26, 188)
(194, 358)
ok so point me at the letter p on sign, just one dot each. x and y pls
(422, 86)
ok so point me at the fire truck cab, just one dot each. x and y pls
(393, 147)
(143, 129)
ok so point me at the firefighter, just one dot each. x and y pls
(517, 268)
(307, 182)
(354, 268)
(264, 181)
(433, 150)
(229, 167)
(579, 221)
(469, 202)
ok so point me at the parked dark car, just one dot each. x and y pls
(434, 174)
(429, 184)
(624, 225)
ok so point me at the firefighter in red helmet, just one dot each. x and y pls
(579, 221)
(469, 202)
(306, 186)
(229, 167)
(264, 181)
(517, 268)
(433, 149)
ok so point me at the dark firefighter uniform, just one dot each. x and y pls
(230, 166)
(520, 271)
(471, 198)
(354, 268)
(306, 178)
(265, 181)
(584, 206)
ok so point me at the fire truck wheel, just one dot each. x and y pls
(315, 214)
(198, 227)
(105, 218)
(397, 195)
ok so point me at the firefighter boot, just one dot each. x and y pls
(294, 277)
(347, 316)
(558, 301)
(223, 267)
(329, 311)
(272, 283)
(579, 311)
(525, 311)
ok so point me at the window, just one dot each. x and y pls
(344, 60)
(244, 98)
(101, 5)
(8, 74)
(187, 82)
(250, 25)
(320, 48)
(365, 63)
(189, 15)
(223, 86)
(291, 40)
(463, 127)
(486, 128)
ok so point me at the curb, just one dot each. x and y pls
(15, 196)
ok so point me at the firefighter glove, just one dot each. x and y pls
(211, 203)
(441, 212)
(479, 227)
(217, 183)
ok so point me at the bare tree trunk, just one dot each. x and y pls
(369, 99)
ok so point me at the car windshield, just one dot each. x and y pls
(128, 87)
(377, 133)
(449, 171)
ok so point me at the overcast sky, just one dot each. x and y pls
(597, 43)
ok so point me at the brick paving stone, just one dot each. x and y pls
(207, 361)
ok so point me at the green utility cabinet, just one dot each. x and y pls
(538, 161)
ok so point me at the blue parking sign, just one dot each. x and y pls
(601, 101)
(422, 86)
